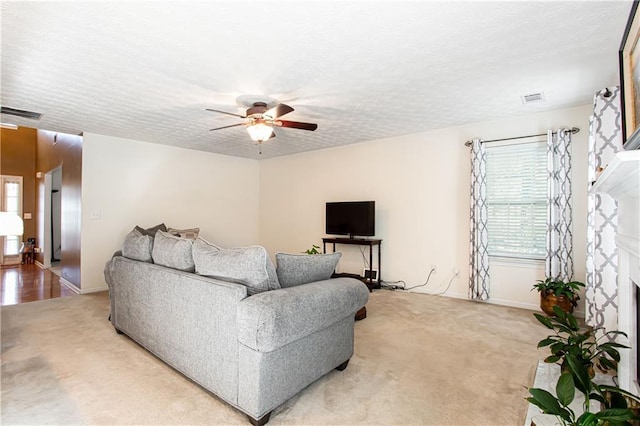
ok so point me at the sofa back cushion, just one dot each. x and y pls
(138, 246)
(297, 269)
(249, 266)
(173, 252)
(151, 231)
(190, 234)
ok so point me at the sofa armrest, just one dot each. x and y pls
(272, 319)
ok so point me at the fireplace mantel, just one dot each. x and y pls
(621, 180)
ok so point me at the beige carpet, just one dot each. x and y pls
(418, 360)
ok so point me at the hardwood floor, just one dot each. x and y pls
(28, 283)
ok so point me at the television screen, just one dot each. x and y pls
(351, 218)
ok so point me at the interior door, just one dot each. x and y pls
(11, 201)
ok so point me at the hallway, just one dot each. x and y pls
(28, 283)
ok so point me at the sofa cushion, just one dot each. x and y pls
(297, 269)
(244, 265)
(190, 234)
(151, 231)
(173, 252)
(273, 319)
(138, 246)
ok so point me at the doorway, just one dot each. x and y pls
(10, 201)
(56, 215)
(52, 213)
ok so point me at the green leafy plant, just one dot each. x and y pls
(580, 342)
(313, 250)
(568, 289)
(614, 406)
(576, 348)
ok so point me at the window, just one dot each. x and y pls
(517, 200)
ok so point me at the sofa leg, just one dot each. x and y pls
(342, 366)
(261, 421)
(119, 332)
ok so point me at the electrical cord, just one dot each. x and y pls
(424, 284)
(365, 261)
(392, 285)
(448, 285)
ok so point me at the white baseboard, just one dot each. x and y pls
(77, 290)
(94, 290)
(70, 286)
(38, 264)
(508, 303)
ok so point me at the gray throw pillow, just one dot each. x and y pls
(173, 252)
(137, 246)
(190, 234)
(243, 265)
(151, 231)
(297, 269)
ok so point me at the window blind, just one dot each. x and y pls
(516, 200)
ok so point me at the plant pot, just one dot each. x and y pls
(549, 300)
(631, 402)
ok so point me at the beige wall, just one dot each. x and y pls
(421, 187)
(419, 182)
(127, 183)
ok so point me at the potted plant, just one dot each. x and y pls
(617, 406)
(313, 250)
(578, 349)
(592, 347)
(555, 292)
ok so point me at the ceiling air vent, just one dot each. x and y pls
(21, 113)
(532, 97)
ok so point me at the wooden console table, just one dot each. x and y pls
(360, 242)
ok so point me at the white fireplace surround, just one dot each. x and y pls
(621, 180)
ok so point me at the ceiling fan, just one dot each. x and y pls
(261, 121)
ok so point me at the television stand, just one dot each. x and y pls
(360, 242)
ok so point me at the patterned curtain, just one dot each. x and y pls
(605, 139)
(479, 258)
(559, 259)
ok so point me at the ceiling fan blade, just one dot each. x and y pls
(225, 112)
(278, 111)
(225, 127)
(296, 125)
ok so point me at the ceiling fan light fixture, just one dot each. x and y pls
(260, 131)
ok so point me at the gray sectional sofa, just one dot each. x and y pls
(253, 349)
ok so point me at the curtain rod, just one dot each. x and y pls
(573, 130)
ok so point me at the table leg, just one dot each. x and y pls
(379, 267)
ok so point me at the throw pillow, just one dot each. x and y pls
(138, 246)
(173, 252)
(244, 265)
(190, 234)
(297, 269)
(151, 231)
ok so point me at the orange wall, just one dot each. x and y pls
(18, 158)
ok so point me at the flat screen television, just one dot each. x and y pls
(352, 218)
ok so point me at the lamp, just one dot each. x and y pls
(10, 224)
(259, 130)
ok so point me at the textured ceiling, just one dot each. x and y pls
(362, 70)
